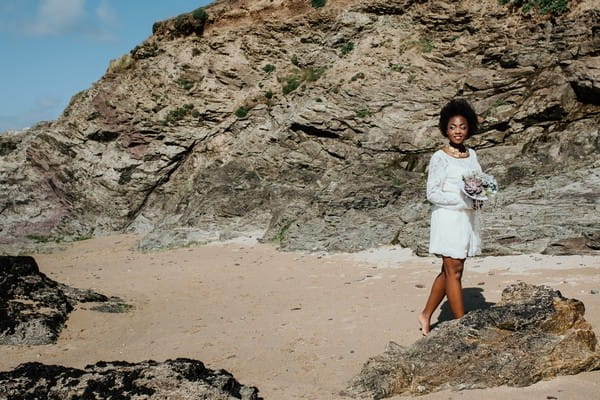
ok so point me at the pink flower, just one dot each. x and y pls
(473, 186)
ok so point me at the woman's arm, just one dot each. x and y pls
(476, 161)
(435, 184)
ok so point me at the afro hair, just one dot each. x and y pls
(458, 107)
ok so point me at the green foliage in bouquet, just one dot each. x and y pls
(541, 6)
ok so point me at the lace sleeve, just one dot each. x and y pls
(476, 161)
(435, 183)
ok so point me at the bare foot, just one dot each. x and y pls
(424, 321)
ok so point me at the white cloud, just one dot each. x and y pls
(106, 13)
(58, 16)
(72, 17)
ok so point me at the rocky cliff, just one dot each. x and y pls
(314, 126)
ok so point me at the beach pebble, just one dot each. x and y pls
(594, 291)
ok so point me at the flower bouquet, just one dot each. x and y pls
(479, 186)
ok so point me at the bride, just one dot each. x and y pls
(454, 230)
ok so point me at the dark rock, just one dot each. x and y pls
(533, 333)
(33, 307)
(585, 79)
(593, 238)
(172, 379)
(113, 307)
(569, 246)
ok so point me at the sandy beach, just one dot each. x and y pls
(296, 325)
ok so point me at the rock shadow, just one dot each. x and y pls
(474, 300)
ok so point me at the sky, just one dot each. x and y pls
(53, 49)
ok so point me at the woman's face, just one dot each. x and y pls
(458, 129)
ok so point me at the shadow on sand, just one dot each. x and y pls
(474, 300)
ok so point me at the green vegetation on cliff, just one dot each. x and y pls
(541, 6)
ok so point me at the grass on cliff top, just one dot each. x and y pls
(121, 64)
(185, 25)
(200, 14)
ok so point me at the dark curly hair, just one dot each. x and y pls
(458, 107)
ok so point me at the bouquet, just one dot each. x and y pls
(479, 186)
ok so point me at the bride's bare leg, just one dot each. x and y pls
(438, 291)
(453, 269)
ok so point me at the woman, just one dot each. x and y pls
(454, 231)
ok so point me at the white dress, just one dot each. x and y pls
(454, 224)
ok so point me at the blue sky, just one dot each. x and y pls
(52, 49)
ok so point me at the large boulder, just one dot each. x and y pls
(533, 333)
(33, 307)
(173, 379)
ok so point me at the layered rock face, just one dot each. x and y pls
(533, 333)
(173, 379)
(315, 127)
(33, 307)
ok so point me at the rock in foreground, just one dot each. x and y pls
(533, 333)
(33, 307)
(172, 379)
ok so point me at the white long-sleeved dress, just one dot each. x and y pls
(454, 228)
